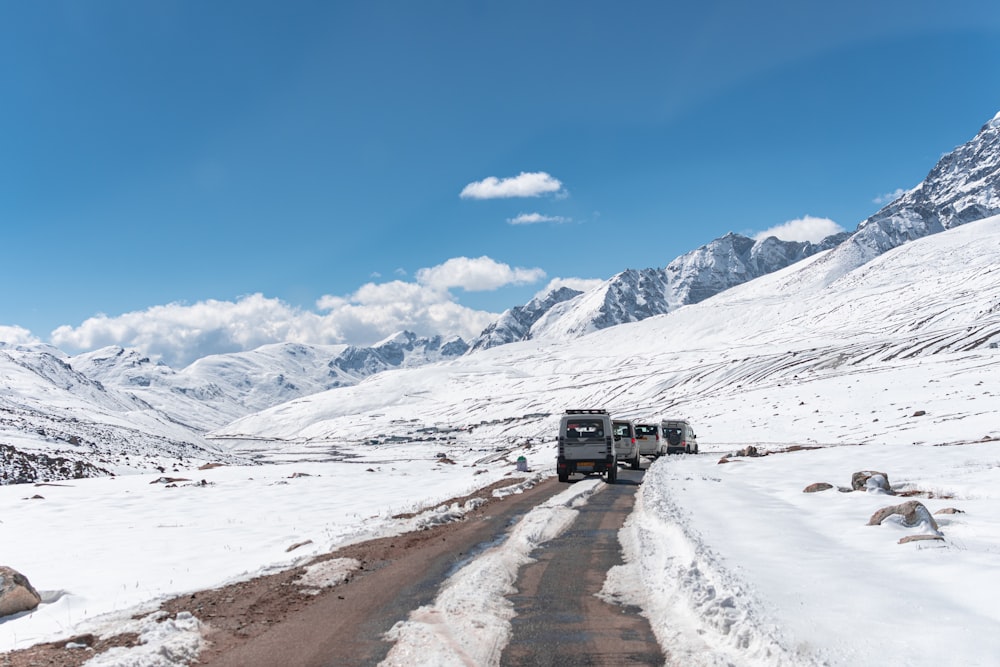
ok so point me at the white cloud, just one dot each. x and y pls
(525, 184)
(375, 311)
(180, 333)
(890, 196)
(476, 275)
(15, 335)
(806, 228)
(579, 284)
(535, 218)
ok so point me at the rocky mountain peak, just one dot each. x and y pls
(515, 323)
(962, 187)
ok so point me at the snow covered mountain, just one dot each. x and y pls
(733, 260)
(775, 345)
(216, 389)
(57, 423)
(401, 350)
(115, 410)
(962, 187)
(515, 323)
(634, 295)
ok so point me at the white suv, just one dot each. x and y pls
(680, 436)
(626, 443)
(651, 444)
(590, 442)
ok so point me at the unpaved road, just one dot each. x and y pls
(560, 620)
(269, 621)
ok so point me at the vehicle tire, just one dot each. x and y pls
(635, 464)
(687, 449)
(563, 477)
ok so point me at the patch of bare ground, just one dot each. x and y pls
(918, 493)
(239, 612)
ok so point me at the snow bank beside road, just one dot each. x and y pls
(735, 564)
(699, 608)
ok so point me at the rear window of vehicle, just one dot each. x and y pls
(642, 430)
(622, 430)
(585, 428)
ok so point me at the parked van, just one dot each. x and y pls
(680, 436)
(648, 436)
(590, 442)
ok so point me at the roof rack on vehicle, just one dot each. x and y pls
(586, 411)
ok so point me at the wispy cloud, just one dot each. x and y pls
(179, 333)
(806, 228)
(525, 184)
(889, 196)
(536, 218)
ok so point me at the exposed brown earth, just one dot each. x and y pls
(272, 620)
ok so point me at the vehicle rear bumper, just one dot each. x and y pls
(585, 466)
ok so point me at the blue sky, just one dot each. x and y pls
(198, 177)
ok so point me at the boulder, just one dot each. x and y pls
(859, 481)
(878, 484)
(817, 486)
(912, 513)
(16, 592)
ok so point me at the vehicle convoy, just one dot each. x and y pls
(591, 442)
(680, 436)
(648, 437)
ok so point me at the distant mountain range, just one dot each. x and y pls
(114, 409)
(219, 388)
(634, 295)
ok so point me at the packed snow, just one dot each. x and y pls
(891, 367)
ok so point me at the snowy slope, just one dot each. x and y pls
(777, 340)
(56, 423)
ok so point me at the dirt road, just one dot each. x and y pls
(559, 618)
(268, 621)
